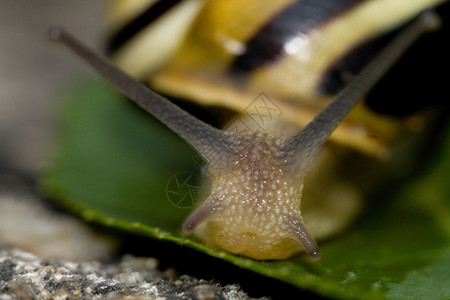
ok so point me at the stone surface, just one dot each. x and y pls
(25, 276)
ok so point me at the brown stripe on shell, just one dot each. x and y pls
(147, 17)
(299, 18)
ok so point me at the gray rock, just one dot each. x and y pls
(25, 276)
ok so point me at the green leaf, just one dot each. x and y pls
(117, 166)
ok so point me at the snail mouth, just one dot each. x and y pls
(247, 243)
(251, 245)
(240, 243)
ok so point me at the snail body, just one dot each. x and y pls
(257, 187)
(254, 208)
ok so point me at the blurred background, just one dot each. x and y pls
(33, 74)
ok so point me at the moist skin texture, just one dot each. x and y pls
(255, 202)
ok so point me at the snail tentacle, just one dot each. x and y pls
(201, 214)
(207, 140)
(305, 145)
(304, 238)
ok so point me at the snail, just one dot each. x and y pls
(254, 208)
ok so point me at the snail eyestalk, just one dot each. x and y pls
(207, 140)
(307, 143)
